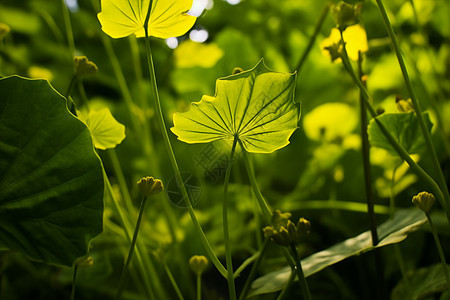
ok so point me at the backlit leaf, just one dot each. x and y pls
(404, 127)
(390, 232)
(168, 18)
(256, 106)
(106, 132)
(51, 179)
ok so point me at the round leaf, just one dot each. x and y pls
(51, 179)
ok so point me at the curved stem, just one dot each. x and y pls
(439, 248)
(267, 211)
(226, 233)
(123, 277)
(415, 101)
(312, 40)
(394, 143)
(301, 277)
(158, 110)
(253, 270)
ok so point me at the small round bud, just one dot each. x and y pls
(84, 67)
(423, 201)
(346, 14)
(4, 30)
(237, 70)
(149, 186)
(84, 261)
(404, 105)
(198, 263)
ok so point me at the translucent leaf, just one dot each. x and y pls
(404, 127)
(191, 54)
(422, 283)
(106, 132)
(51, 179)
(256, 106)
(168, 18)
(390, 232)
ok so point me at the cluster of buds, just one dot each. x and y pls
(284, 232)
(424, 201)
(346, 14)
(149, 186)
(84, 67)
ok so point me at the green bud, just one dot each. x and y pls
(198, 263)
(335, 51)
(84, 67)
(284, 232)
(4, 30)
(404, 105)
(84, 261)
(424, 201)
(346, 14)
(237, 70)
(149, 186)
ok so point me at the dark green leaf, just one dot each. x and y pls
(51, 179)
(404, 127)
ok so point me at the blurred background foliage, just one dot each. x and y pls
(319, 176)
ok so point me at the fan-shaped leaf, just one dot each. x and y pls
(51, 180)
(257, 106)
(168, 18)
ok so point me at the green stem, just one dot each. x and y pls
(416, 104)
(253, 270)
(212, 256)
(226, 233)
(439, 248)
(74, 282)
(267, 211)
(143, 264)
(123, 277)
(68, 27)
(199, 286)
(173, 281)
(312, 40)
(301, 277)
(288, 285)
(394, 143)
(121, 180)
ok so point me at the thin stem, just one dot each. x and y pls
(173, 281)
(312, 40)
(301, 277)
(143, 265)
(226, 233)
(74, 282)
(416, 104)
(439, 248)
(68, 27)
(288, 284)
(267, 211)
(121, 180)
(123, 277)
(253, 270)
(394, 143)
(69, 89)
(212, 256)
(199, 286)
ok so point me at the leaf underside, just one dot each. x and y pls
(51, 179)
(256, 106)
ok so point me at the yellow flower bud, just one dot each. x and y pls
(423, 201)
(149, 186)
(4, 30)
(198, 263)
(84, 261)
(84, 67)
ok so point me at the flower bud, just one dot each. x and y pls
(84, 67)
(346, 14)
(4, 30)
(404, 105)
(237, 70)
(198, 263)
(423, 201)
(84, 261)
(149, 186)
(284, 232)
